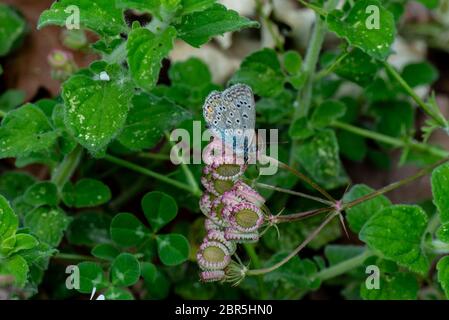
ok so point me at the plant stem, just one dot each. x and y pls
(292, 254)
(392, 71)
(326, 72)
(295, 193)
(422, 147)
(249, 248)
(187, 172)
(302, 215)
(155, 175)
(154, 156)
(73, 256)
(343, 266)
(67, 167)
(118, 55)
(394, 185)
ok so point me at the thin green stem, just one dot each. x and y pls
(154, 156)
(187, 172)
(249, 248)
(73, 256)
(118, 55)
(343, 266)
(331, 68)
(67, 167)
(295, 193)
(301, 215)
(392, 71)
(395, 142)
(278, 42)
(155, 175)
(317, 9)
(292, 254)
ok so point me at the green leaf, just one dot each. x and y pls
(440, 191)
(89, 228)
(443, 274)
(21, 241)
(421, 73)
(395, 117)
(352, 146)
(12, 27)
(48, 224)
(358, 67)
(358, 215)
(397, 286)
(96, 105)
(173, 249)
(443, 232)
(262, 72)
(99, 16)
(91, 276)
(118, 294)
(327, 112)
(140, 5)
(11, 99)
(396, 232)
(145, 53)
(190, 6)
(25, 130)
(159, 209)
(42, 193)
(127, 230)
(319, 156)
(198, 28)
(147, 121)
(292, 61)
(125, 270)
(301, 129)
(359, 28)
(155, 281)
(17, 267)
(9, 222)
(86, 193)
(105, 251)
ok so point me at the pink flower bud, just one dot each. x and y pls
(213, 255)
(244, 217)
(232, 234)
(216, 235)
(246, 192)
(212, 275)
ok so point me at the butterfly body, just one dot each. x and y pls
(231, 116)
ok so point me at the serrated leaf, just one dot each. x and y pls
(397, 286)
(173, 249)
(17, 267)
(190, 6)
(89, 228)
(394, 117)
(86, 193)
(25, 130)
(105, 251)
(127, 230)
(360, 28)
(22, 241)
(359, 214)
(396, 232)
(440, 191)
(319, 156)
(147, 121)
(99, 16)
(91, 276)
(159, 209)
(42, 193)
(146, 51)
(9, 222)
(443, 274)
(96, 105)
(198, 28)
(12, 27)
(327, 112)
(48, 224)
(140, 5)
(262, 72)
(358, 67)
(125, 270)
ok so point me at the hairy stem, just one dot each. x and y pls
(292, 254)
(67, 167)
(295, 193)
(343, 266)
(155, 175)
(392, 71)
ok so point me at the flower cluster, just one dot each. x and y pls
(233, 209)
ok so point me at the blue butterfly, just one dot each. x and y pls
(231, 117)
